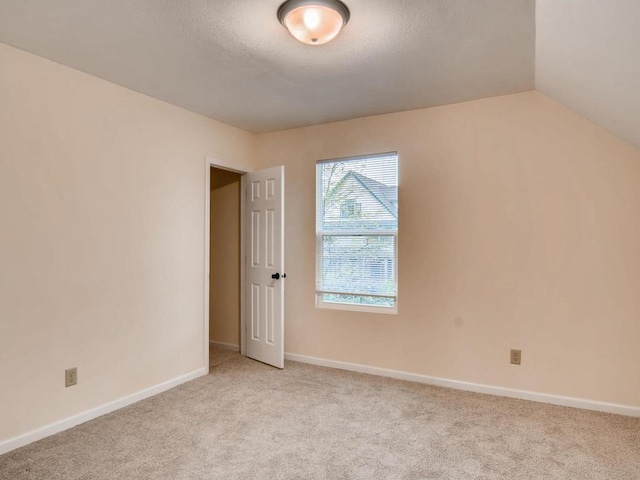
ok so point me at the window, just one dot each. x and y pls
(350, 209)
(357, 232)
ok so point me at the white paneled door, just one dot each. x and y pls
(264, 250)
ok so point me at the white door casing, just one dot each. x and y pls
(264, 253)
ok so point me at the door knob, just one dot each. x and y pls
(276, 276)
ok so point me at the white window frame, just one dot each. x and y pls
(320, 303)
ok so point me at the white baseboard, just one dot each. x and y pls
(225, 346)
(627, 410)
(69, 422)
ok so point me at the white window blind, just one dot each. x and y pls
(357, 232)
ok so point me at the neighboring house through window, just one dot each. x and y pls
(357, 230)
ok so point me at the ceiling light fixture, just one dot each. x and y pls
(313, 22)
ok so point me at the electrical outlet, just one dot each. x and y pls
(70, 377)
(516, 357)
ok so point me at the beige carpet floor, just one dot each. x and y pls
(219, 355)
(249, 421)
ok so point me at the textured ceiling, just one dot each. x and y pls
(231, 60)
(588, 57)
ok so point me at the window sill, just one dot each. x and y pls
(357, 308)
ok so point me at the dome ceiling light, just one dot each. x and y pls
(313, 22)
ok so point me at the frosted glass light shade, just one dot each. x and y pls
(313, 22)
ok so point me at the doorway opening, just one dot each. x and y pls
(225, 248)
(244, 262)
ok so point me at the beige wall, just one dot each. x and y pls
(519, 228)
(224, 299)
(102, 239)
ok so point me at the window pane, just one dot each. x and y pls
(358, 194)
(358, 264)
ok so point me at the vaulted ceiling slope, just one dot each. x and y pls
(588, 58)
(231, 60)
